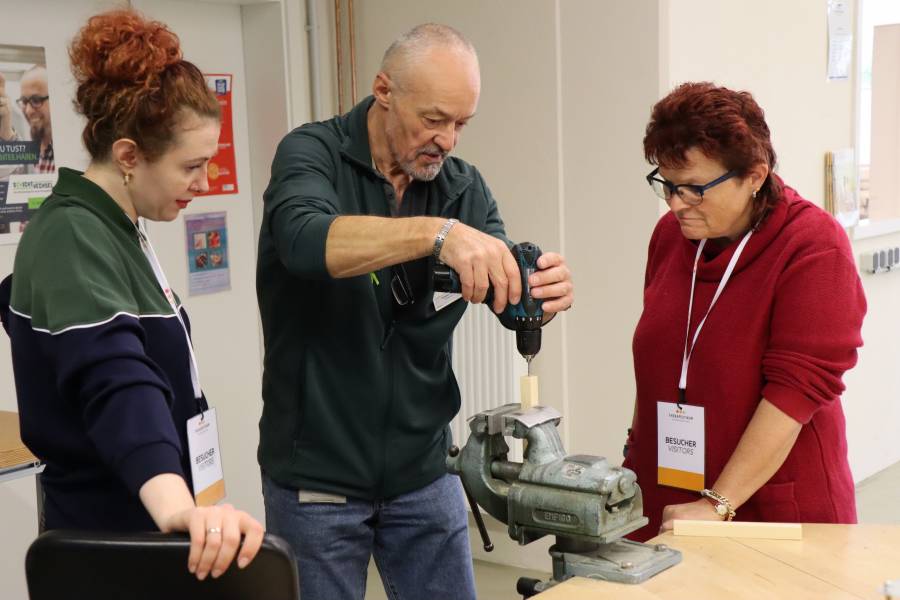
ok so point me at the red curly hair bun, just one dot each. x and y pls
(122, 47)
(133, 83)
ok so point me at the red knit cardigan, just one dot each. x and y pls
(786, 328)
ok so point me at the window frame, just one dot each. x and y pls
(865, 228)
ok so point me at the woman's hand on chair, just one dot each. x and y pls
(216, 533)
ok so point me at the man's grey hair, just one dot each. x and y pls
(415, 43)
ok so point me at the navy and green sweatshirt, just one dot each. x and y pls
(358, 392)
(100, 359)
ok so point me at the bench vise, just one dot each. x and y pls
(582, 500)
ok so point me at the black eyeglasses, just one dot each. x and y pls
(689, 193)
(35, 101)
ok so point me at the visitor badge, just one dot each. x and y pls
(206, 460)
(680, 445)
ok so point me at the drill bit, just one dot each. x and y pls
(528, 362)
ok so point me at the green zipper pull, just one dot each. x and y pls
(374, 278)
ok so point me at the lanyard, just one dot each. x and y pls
(686, 358)
(170, 297)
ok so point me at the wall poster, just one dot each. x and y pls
(222, 171)
(207, 252)
(27, 164)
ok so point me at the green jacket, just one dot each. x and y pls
(357, 391)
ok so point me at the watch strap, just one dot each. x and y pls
(441, 236)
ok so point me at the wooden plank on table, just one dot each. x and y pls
(739, 529)
(12, 451)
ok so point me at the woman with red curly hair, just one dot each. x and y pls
(752, 314)
(105, 374)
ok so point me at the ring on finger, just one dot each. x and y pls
(212, 530)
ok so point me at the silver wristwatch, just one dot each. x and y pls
(441, 236)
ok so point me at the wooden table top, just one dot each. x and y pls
(831, 561)
(12, 451)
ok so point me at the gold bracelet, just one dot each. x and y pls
(720, 504)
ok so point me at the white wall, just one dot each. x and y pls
(609, 213)
(269, 108)
(225, 329)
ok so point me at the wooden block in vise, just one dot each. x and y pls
(529, 391)
(739, 529)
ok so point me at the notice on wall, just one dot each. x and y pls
(207, 252)
(27, 165)
(840, 39)
(222, 171)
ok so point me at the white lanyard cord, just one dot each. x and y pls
(170, 297)
(688, 351)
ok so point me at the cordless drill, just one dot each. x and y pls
(525, 318)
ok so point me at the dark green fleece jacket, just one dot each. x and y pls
(358, 391)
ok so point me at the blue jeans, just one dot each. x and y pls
(419, 540)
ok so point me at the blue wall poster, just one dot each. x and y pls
(207, 252)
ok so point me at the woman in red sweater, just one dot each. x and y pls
(752, 314)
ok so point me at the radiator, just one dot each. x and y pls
(487, 368)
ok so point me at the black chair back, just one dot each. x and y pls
(103, 566)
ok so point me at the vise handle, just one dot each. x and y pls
(453, 451)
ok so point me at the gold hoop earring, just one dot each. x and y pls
(126, 179)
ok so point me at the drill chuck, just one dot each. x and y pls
(528, 342)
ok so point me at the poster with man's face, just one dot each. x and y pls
(27, 163)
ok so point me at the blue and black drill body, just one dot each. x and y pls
(525, 318)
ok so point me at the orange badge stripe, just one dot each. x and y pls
(680, 479)
(212, 494)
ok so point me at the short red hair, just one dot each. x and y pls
(724, 125)
(133, 83)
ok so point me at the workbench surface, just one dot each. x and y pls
(831, 561)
